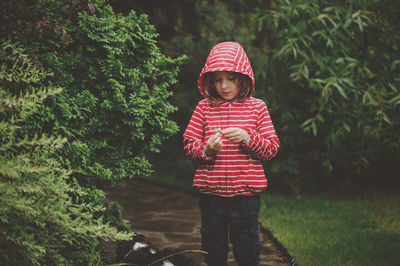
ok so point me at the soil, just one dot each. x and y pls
(171, 218)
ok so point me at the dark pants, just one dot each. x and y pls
(235, 219)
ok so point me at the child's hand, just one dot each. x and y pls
(213, 145)
(235, 134)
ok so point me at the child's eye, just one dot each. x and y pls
(218, 80)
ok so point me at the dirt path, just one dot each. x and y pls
(171, 218)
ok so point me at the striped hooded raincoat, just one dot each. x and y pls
(236, 170)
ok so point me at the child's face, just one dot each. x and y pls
(226, 85)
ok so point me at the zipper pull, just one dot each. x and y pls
(230, 104)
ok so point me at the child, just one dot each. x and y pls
(230, 132)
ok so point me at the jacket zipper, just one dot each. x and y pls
(227, 163)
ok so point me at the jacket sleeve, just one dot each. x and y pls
(193, 137)
(263, 142)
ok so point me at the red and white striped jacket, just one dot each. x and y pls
(236, 169)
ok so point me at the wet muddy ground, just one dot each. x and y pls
(171, 218)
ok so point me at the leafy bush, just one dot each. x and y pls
(333, 70)
(110, 115)
(114, 110)
(40, 223)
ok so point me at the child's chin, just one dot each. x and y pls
(227, 98)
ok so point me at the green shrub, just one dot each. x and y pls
(114, 109)
(40, 223)
(333, 70)
(110, 115)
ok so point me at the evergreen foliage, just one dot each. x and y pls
(40, 223)
(59, 147)
(114, 110)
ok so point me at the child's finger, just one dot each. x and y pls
(213, 137)
(219, 142)
(218, 145)
(232, 135)
(213, 140)
(218, 139)
(227, 131)
(231, 132)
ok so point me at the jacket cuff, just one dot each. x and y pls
(250, 140)
(204, 155)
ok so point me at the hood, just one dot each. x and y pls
(226, 56)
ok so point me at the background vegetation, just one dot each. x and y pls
(42, 221)
(86, 101)
(327, 70)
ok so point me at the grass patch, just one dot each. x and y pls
(357, 228)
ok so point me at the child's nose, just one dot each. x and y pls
(225, 83)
